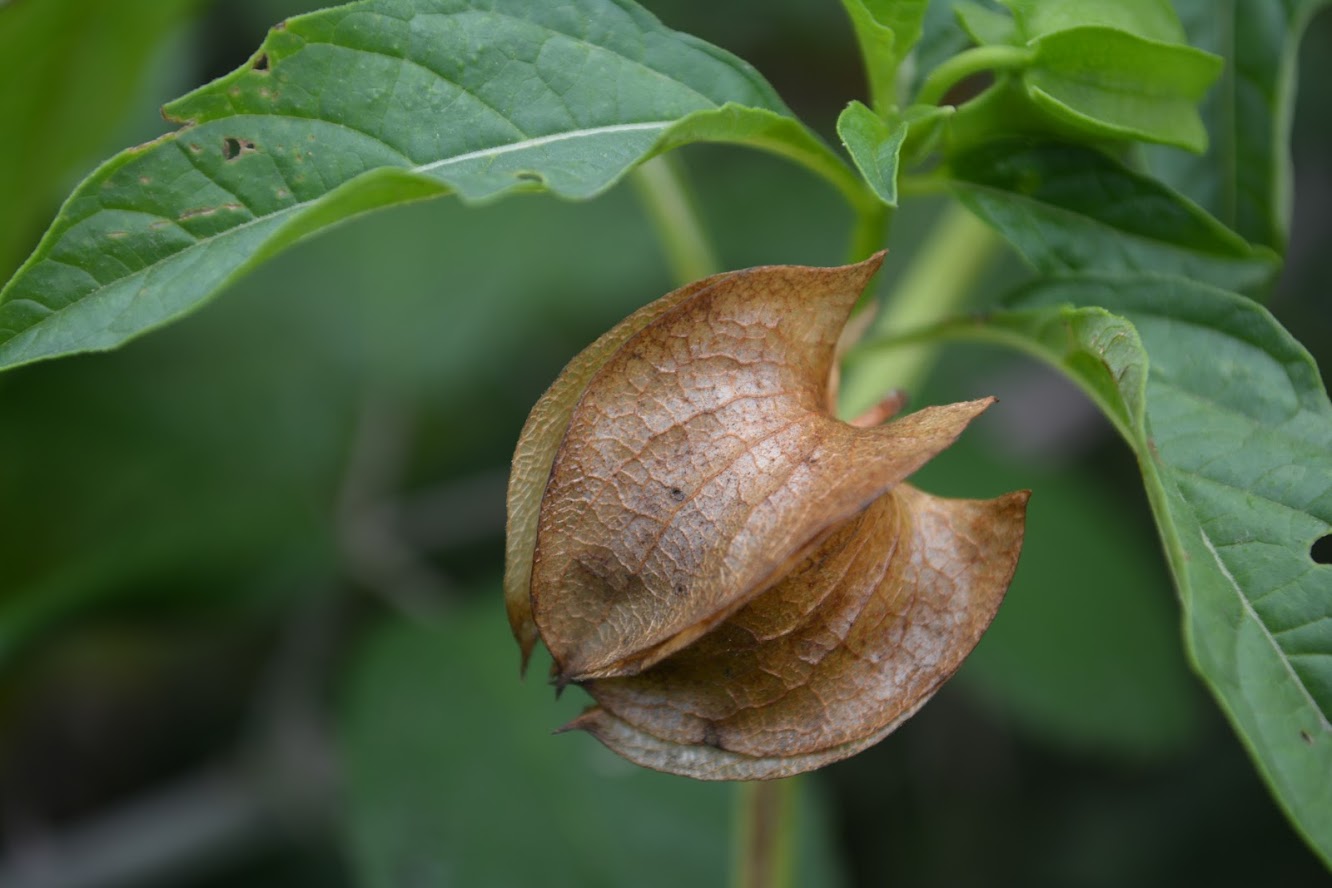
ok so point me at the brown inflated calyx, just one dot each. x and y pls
(741, 580)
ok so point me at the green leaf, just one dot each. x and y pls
(1244, 179)
(941, 38)
(1118, 86)
(1148, 19)
(886, 30)
(875, 146)
(367, 105)
(875, 143)
(1067, 208)
(454, 779)
(1115, 70)
(986, 26)
(1080, 70)
(1233, 431)
(71, 69)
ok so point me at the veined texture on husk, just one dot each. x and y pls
(741, 581)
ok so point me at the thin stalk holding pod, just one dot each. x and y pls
(763, 834)
(669, 202)
(761, 838)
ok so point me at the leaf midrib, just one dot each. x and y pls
(747, 74)
(419, 169)
(1245, 603)
(1252, 614)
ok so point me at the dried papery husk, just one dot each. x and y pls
(684, 483)
(831, 659)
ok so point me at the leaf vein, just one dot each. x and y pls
(1252, 614)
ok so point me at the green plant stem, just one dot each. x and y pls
(964, 64)
(870, 231)
(932, 288)
(763, 833)
(921, 185)
(665, 193)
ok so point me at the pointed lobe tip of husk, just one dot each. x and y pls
(831, 660)
(742, 581)
(700, 458)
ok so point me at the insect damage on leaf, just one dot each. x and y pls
(740, 580)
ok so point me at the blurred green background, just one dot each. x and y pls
(250, 627)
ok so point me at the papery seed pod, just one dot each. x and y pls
(740, 580)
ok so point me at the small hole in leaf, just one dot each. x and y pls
(1306, 737)
(233, 147)
(261, 62)
(680, 589)
(1321, 550)
(677, 494)
(527, 177)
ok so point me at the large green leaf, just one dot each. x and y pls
(1233, 431)
(1244, 178)
(1067, 208)
(367, 105)
(455, 779)
(71, 68)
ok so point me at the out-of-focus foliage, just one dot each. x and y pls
(209, 488)
(445, 780)
(73, 69)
